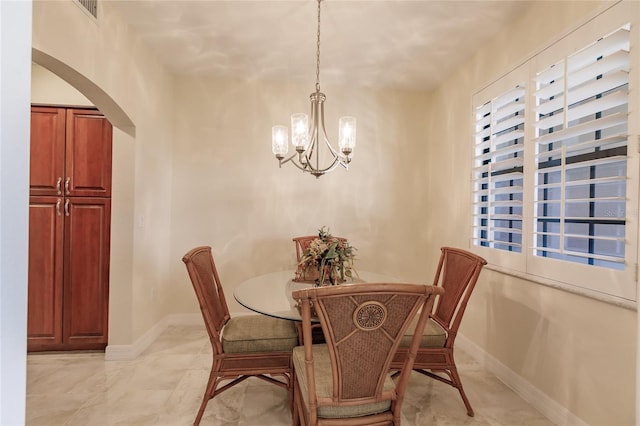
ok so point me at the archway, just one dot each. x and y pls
(95, 94)
(122, 211)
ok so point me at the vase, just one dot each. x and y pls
(331, 276)
(306, 275)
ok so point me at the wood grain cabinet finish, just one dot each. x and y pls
(46, 170)
(67, 154)
(87, 163)
(86, 272)
(46, 223)
(69, 230)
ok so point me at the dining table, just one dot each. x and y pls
(270, 294)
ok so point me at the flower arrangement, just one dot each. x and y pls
(328, 258)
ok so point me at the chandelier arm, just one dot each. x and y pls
(304, 166)
(325, 138)
(312, 155)
(314, 146)
(291, 159)
(333, 165)
(344, 160)
(336, 154)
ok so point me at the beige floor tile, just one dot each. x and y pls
(53, 408)
(165, 384)
(136, 407)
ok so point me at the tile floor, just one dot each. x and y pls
(164, 387)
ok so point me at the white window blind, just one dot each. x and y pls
(555, 178)
(581, 131)
(498, 171)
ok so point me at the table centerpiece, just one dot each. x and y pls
(326, 260)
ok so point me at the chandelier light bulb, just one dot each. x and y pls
(300, 131)
(280, 141)
(347, 134)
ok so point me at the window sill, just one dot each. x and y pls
(602, 297)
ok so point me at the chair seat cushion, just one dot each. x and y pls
(258, 333)
(324, 385)
(434, 336)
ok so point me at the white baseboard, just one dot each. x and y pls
(128, 352)
(555, 412)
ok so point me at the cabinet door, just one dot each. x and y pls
(88, 154)
(47, 151)
(86, 272)
(44, 309)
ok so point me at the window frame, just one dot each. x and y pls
(615, 286)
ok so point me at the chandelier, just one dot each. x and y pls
(308, 138)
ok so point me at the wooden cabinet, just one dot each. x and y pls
(69, 230)
(86, 272)
(44, 327)
(70, 153)
(46, 167)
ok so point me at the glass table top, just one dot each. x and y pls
(270, 294)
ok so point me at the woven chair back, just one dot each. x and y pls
(363, 325)
(457, 273)
(206, 283)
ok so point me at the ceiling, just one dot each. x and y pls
(394, 43)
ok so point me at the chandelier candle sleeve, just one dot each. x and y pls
(347, 134)
(280, 141)
(300, 132)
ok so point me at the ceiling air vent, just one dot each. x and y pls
(91, 6)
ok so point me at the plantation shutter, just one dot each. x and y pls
(581, 155)
(498, 171)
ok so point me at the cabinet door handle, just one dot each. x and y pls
(66, 207)
(66, 185)
(58, 189)
(58, 206)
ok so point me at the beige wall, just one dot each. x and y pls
(199, 170)
(578, 351)
(228, 191)
(123, 80)
(49, 89)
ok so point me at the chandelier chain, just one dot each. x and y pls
(318, 52)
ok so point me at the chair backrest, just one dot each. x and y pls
(206, 283)
(363, 325)
(457, 273)
(303, 242)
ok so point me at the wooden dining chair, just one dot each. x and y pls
(457, 274)
(251, 345)
(346, 381)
